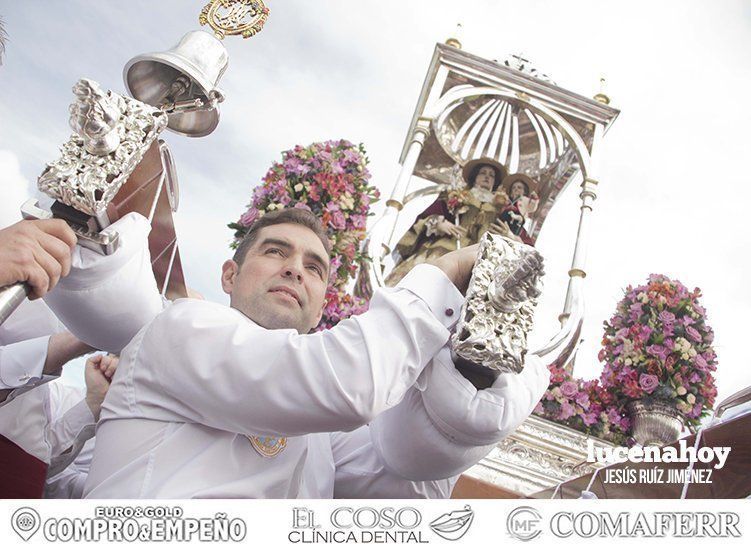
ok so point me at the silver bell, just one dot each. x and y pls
(182, 81)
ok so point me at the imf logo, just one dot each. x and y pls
(523, 523)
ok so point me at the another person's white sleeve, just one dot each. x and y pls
(107, 299)
(444, 425)
(69, 483)
(71, 424)
(361, 474)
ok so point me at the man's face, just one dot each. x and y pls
(485, 178)
(282, 281)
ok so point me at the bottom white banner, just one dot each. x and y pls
(372, 522)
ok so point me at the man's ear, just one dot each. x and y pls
(229, 273)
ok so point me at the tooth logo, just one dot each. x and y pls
(454, 525)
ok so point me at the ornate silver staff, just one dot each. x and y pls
(114, 162)
(491, 336)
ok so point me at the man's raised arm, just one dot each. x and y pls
(205, 363)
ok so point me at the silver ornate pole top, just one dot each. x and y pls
(112, 133)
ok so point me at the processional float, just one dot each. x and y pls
(471, 108)
(115, 161)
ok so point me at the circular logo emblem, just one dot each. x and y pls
(523, 523)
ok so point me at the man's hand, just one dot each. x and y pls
(457, 265)
(36, 252)
(98, 375)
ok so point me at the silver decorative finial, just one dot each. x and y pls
(94, 116)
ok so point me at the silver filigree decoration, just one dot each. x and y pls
(87, 176)
(499, 310)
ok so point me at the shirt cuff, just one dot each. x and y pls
(22, 363)
(435, 289)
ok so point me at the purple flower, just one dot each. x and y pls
(636, 310)
(667, 317)
(701, 364)
(358, 221)
(582, 399)
(569, 389)
(249, 217)
(338, 220)
(567, 411)
(648, 382)
(589, 418)
(693, 334)
(660, 352)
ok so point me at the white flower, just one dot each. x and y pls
(347, 202)
(681, 390)
(298, 187)
(691, 398)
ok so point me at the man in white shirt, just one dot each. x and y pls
(42, 422)
(211, 401)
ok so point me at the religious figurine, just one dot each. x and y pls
(458, 218)
(522, 202)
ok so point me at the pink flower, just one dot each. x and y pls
(648, 382)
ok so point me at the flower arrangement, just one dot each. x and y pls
(331, 180)
(582, 405)
(656, 347)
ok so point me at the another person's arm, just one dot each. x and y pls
(444, 425)
(30, 363)
(360, 472)
(74, 413)
(107, 299)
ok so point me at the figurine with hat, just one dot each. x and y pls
(458, 217)
(522, 201)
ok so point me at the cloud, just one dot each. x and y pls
(15, 188)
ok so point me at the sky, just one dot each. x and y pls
(673, 181)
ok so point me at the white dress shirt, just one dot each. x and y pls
(43, 417)
(200, 387)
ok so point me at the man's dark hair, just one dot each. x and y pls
(297, 216)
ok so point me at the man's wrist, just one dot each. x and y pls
(94, 402)
(62, 348)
